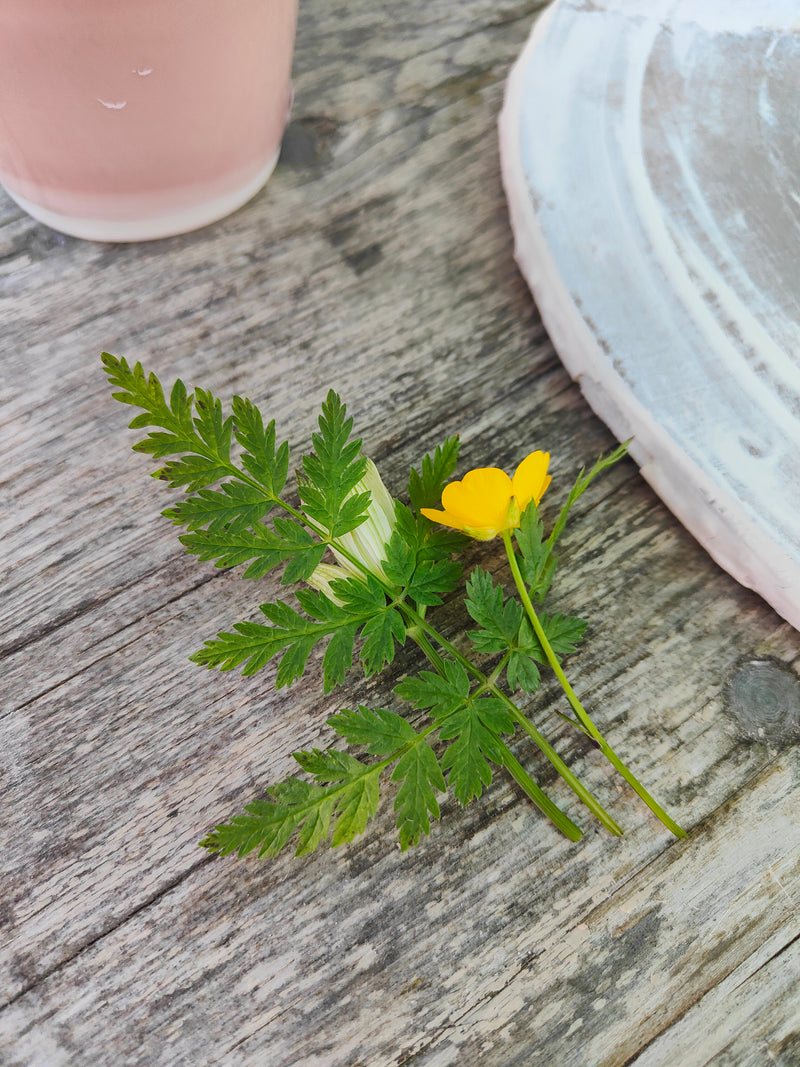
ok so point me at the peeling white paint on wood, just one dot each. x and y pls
(651, 163)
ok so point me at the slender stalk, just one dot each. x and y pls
(421, 639)
(540, 799)
(576, 705)
(591, 802)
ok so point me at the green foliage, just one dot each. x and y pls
(262, 548)
(184, 426)
(233, 472)
(379, 635)
(425, 486)
(233, 507)
(582, 483)
(419, 560)
(421, 778)
(499, 619)
(521, 670)
(379, 731)
(224, 524)
(473, 723)
(343, 794)
(254, 644)
(441, 694)
(192, 427)
(504, 629)
(417, 770)
(537, 562)
(563, 632)
(332, 471)
(349, 796)
(263, 461)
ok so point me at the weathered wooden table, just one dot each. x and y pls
(377, 261)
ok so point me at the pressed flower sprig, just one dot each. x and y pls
(393, 562)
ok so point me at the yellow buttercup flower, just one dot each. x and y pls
(486, 501)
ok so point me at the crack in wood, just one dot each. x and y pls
(110, 929)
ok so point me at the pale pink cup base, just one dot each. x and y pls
(129, 120)
(142, 226)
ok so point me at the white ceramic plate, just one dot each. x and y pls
(651, 160)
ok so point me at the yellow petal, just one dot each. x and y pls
(531, 479)
(442, 517)
(486, 501)
(480, 500)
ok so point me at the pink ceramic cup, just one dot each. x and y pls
(124, 120)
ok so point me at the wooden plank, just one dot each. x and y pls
(498, 964)
(172, 737)
(752, 1016)
(378, 261)
(95, 629)
(132, 709)
(98, 298)
(605, 988)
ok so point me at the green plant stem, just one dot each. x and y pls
(422, 641)
(591, 802)
(572, 781)
(540, 799)
(576, 705)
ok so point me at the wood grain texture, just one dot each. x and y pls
(379, 261)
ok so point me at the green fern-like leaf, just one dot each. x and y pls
(261, 548)
(234, 506)
(184, 424)
(582, 483)
(420, 778)
(381, 731)
(332, 471)
(538, 561)
(498, 618)
(347, 800)
(418, 772)
(263, 461)
(254, 644)
(425, 486)
(474, 725)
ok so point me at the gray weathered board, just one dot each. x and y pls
(651, 158)
(379, 261)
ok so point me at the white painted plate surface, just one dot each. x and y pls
(651, 160)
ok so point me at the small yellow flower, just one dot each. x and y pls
(486, 501)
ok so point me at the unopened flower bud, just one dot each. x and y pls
(322, 576)
(368, 541)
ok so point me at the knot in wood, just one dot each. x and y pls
(763, 696)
